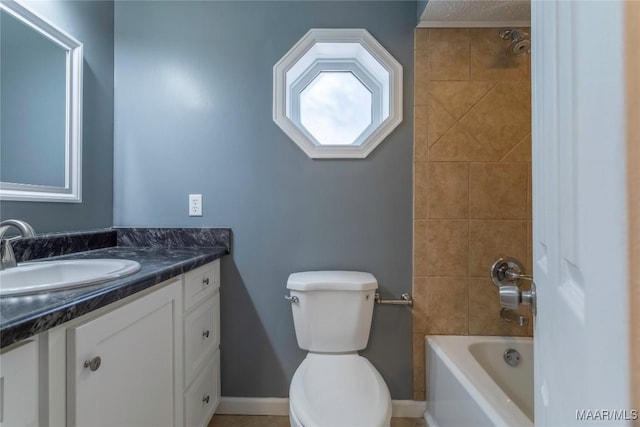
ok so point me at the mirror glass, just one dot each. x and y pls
(39, 108)
(33, 69)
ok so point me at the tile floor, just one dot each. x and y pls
(275, 421)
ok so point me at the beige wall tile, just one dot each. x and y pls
(419, 395)
(448, 248)
(472, 105)
(457, 97)
(521, 152)
(498, 190)
(489, 60)
(421, 76)
(459, 145)
(528, 263)
(529, 192)
(492, 239)
(422, 38)
(418, 363)
(421, 190)
(448, 188)
(420, 248)
(484, 311)
(501, 119)
(419, 309)
(447, 305)
(449, 53)
(420, 145)
(439, 121)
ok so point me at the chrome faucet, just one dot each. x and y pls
(7, 257)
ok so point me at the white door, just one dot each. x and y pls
(579, 214)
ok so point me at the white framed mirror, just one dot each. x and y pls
(337, 93)
(41, 108)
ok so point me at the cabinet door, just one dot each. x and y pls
(138, 380)
(19, 386)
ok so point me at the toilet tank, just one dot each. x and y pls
(334, 309)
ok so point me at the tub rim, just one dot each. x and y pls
(473, 377)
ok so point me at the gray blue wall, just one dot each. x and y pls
(193, 90)
(91, 22)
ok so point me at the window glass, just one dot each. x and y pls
(335, 108)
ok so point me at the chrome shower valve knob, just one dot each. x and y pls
(512, 298)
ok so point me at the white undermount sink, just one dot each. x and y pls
(35, 277)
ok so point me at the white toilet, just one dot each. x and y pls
(334, 386)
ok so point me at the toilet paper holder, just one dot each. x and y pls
(406, 299)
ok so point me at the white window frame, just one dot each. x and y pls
(383, 79)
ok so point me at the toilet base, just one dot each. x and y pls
(293, 420)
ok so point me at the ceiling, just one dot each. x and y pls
(475, 13)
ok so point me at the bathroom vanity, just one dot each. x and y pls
(143, 350)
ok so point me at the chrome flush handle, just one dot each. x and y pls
(293, 299)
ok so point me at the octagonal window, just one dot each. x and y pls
(337, 93)
(335, 108)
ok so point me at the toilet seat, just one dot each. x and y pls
(339, 390)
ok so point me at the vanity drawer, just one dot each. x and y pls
(200, 283)
(201, 336)
(202, 398)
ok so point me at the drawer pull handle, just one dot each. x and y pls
(205, 399)
(205, 334)
(93, 364)
(205, 281)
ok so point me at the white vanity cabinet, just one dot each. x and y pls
(153, 361)
(19, 385)
(124, 366)
(201, 391)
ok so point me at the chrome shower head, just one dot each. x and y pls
(519, 41)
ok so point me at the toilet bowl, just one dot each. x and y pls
(338, 391)
(334, 386)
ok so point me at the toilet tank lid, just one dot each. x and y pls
(332, 281)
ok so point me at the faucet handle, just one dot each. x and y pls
(511, 297)
(8, 258)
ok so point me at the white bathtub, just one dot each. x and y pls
(470, 384)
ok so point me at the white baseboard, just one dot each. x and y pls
(280, 406)
(408, 408)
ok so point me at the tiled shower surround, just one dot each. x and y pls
(472, 181)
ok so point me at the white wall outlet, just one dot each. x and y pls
(195, 204)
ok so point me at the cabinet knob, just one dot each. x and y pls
(205, 399)
(205, 281)
(205, 334)
(93, 364)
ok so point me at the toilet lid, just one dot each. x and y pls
(339, 390)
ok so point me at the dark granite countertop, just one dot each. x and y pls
(25, 316)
